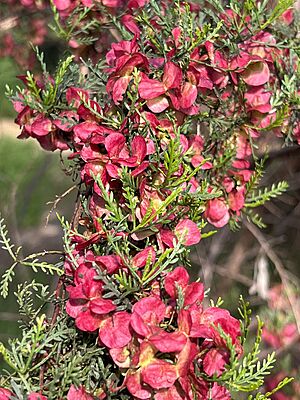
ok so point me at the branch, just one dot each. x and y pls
(235, 276)
(57, 200)
(8, 23)
(279, 268)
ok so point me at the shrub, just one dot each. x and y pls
(164, 137)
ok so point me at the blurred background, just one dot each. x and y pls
(263, 265)
(29, 178)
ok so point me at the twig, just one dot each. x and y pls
(57, 305)
(60, 290)
(8, 23)
(279, 268)
(58, 199)
(207, 258)
(77, 213)
(236, 276)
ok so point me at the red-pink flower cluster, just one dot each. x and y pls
(160, 345)
(279, 332)
(282, 330)
(245, 81)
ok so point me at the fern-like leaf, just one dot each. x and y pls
(262, 196)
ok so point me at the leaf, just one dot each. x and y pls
(262, 196)
(6, 278)
(150, 215)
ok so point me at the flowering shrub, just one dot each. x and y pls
(163, 140)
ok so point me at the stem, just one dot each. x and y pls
(60, 290)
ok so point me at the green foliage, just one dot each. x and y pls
(278, 10)
(76, 26)
(263, 195)
(22, 352)
(251, 372)
(268, 395)
(245, 313)
(115, 213)
(172, 159)
(32, 261)
(261, 16)
(257, 197)
(246, 373)
(152, 213)
(26, 296)
(47, 99)
(113, 121)
(164, 263)
(129, 193)
(76, 358)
